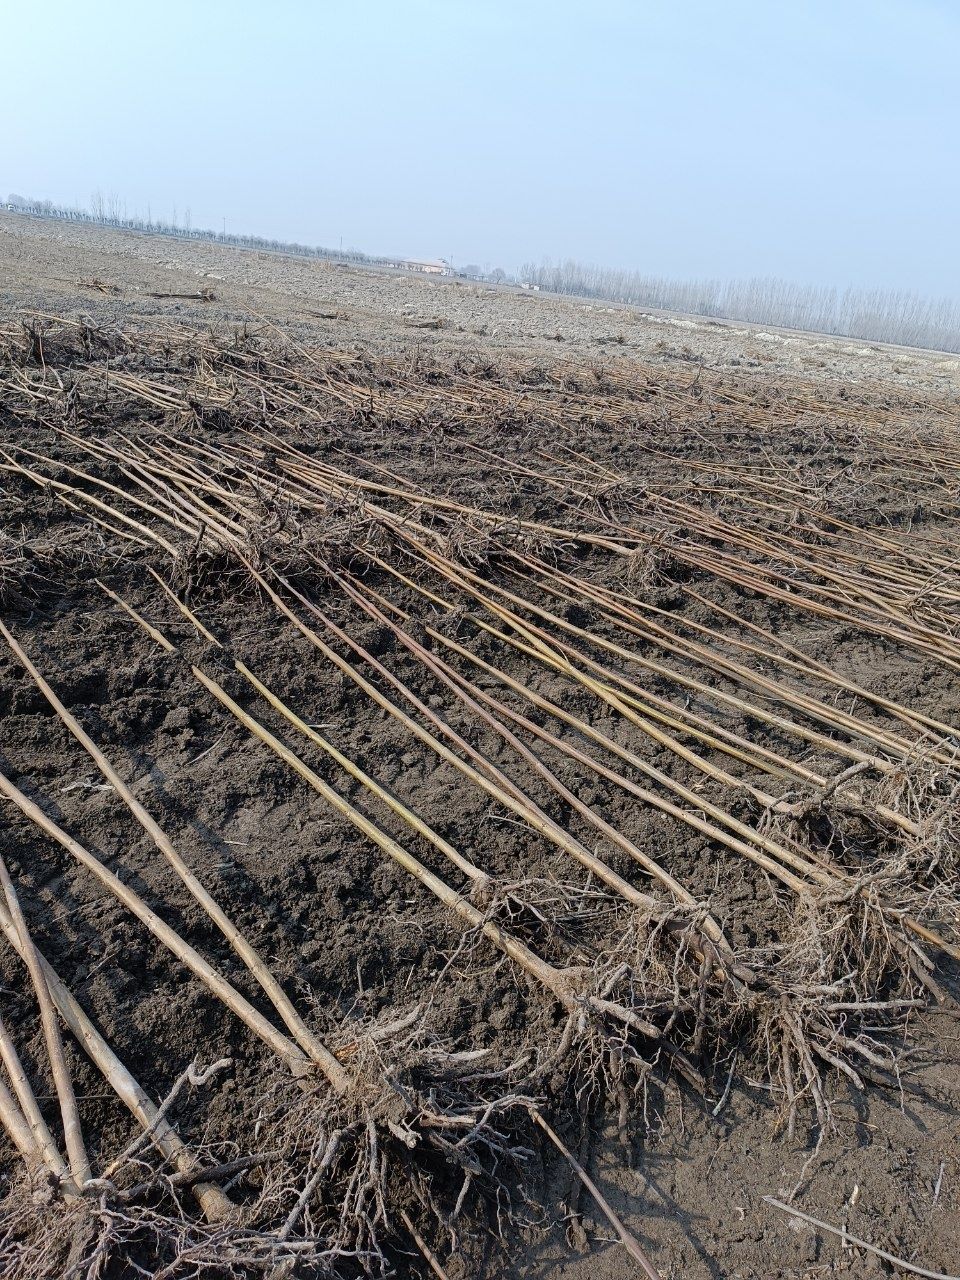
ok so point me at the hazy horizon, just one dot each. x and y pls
(684, 141)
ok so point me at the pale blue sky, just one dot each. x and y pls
(813, 140)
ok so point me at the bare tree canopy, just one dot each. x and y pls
(875, 315)
(110, 211)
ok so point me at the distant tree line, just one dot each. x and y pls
(494, 275)
(108, 211)
(875, 315)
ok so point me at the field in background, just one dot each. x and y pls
(898, 317)
(872, 315)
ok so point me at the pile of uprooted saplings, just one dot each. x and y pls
(573, 635)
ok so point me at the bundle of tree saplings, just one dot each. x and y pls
(616, 656)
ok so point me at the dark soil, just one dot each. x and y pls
(348, 933)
